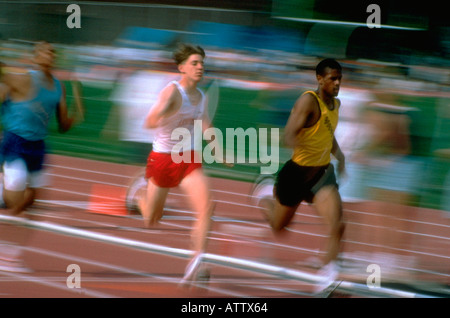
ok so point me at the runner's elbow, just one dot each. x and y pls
(65, 126)
(149, 125)
(150, 122)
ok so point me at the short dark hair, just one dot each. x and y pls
(331, 63)
(39, 45)
(183, 52)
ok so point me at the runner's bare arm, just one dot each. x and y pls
(339, 155)
(3, 87)
(298, 119)
(215, 143)
(78, 100)
(206, 121)
(163, 107)
(3, 91)
(13, 83)
(64, 122)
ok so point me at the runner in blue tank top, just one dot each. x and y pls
(29, 100)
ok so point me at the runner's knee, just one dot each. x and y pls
(281, 218)
(328, 193)
(15, 175)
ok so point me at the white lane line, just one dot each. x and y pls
(264, 226)
(252, 266)
(42, 281)
(153, 277)
(88, 180)
(183, 196)
(90, 171)
(82, 194)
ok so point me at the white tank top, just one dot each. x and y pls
(184, 118)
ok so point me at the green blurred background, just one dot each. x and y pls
(98, 136)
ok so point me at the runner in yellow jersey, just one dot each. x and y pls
(308, 175)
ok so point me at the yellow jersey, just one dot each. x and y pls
(314, 143)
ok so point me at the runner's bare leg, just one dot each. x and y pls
(329, 206)
(152, 205)
(196, 186)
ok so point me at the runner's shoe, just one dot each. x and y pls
(136, 190)
(194, 271)
(262, 195)
(328, 276)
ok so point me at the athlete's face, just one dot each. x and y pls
(44, 55)
(330, 82)
(193, 67)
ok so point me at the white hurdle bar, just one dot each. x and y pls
(267, 269)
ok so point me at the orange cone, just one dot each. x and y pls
(107, 199)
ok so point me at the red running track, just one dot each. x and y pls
(88, 197)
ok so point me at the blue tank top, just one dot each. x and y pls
(29, 119)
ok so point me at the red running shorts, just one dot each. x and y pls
(167, 174)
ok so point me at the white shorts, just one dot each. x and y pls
(16, 176)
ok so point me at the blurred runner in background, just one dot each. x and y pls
(394, 175)
(29, 99)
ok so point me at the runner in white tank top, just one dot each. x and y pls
(178, 105)
(183, 118)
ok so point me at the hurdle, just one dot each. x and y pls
(346, 287)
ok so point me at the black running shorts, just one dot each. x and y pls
(296, 183)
